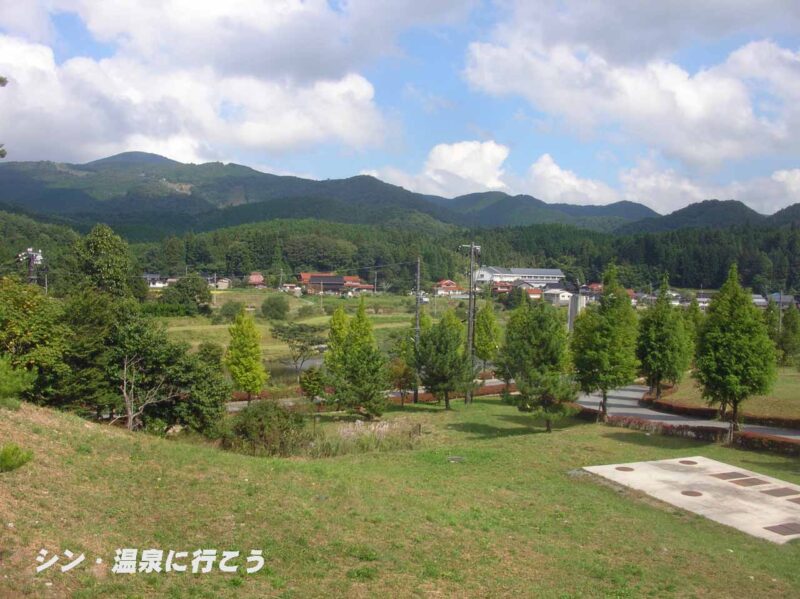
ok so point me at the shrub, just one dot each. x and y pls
(13, 382)
(266, 428)
(229, 310)
(12, 456)
(275, 307)
(361, 437)
(307, 310)
(167, 309)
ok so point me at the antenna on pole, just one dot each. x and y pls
(33, 259)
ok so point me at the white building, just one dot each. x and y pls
(538, 277)
(558, 297)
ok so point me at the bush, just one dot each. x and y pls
(13, 382)
(166, 309)
(229, 310)
(275, 307)
(307, 310)
(12, 456)
(266, 428)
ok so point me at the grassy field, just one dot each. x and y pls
(782, 402)
(514, 519)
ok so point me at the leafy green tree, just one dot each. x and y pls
(33, 335)
(537, 355)
(93, 319)
(604, 342)
(243, 358)
(772, 319)
(275, 307)
(211, 353)
(402, 377)
(102, 261)
(735, 356)
(693, 319)
(487, 334)
(358, 370)
(238, 261)
(13, 383)
(312, 383)
(303, 341)
(230, 310)
(335, 354)
(789, 340)
(444, 368)
(190, 292)
(202, 407)
(663, 347)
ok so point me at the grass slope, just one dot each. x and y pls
(782, 402)
(509, 521)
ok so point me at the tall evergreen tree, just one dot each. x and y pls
(663, 347)
(487, 334)
(693, 319)
(359, 377)
(789, 340)
(536, 349)
(604, 342)
(243, 358)
(444, 368)
(735, 356)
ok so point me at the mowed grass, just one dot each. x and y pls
(782, 402)
(513, 519)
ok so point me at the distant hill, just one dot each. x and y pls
(153, 195)
(712, 214)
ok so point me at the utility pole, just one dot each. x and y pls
(280, 283)
(471, 315)
(780, 312)
(375, 283)
(416, 335)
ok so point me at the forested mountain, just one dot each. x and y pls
(713, 214)
(147, 196)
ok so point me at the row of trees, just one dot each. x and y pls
(93, 351)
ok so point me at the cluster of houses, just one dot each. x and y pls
(538, 283)
(548, 284)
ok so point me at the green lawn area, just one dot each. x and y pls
(782, 402)
(512, 520)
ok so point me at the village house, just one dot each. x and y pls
(154, 280)
(256, 279)
(539, 277)
(319, 282)
(557, 297)
(533, 291)
(447, 288)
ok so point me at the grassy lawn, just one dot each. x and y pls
(783, 401)
(512, 520)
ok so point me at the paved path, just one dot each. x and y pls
(625, 402)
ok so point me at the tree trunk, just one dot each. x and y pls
(658, 390)
(602, 414)
(549, 425)
(249, 397)
(446, 400)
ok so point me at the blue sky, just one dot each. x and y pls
(665, 104)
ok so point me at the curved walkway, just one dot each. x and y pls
(625, 402)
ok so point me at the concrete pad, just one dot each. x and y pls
(759, 505)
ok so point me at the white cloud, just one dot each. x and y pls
(201, 79)
(665, 190)
(549, 182)
(590, 75)
(454, 169)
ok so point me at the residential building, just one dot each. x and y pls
(223, 283)
(557, 297)
(759, 301)
(446, 288)
(256, 279)
(154, 280)
(537, 276)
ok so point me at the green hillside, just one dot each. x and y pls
(513, 519)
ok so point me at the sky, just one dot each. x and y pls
(579, 101)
